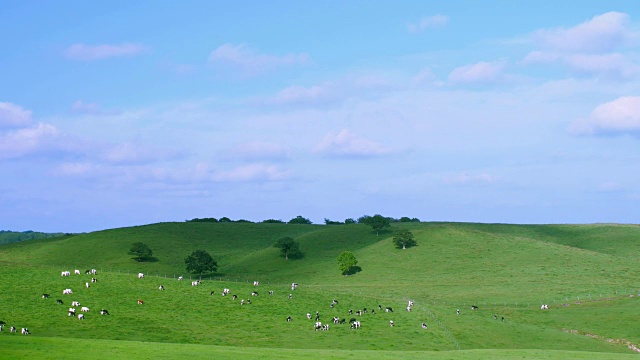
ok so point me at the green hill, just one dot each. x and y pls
(8, 237)
(588, 274)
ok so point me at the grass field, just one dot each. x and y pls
(588, 274)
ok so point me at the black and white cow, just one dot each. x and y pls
(13, 329)
(25, 331)
(75, 303)
(140, 276)
(350, 312)
(94, 272)
(544, 307)
(290, 296)
(195, 283)
(67, 291)
(336, 319)
(72, 312)
(76, 272)
(317, 326)
(65, 273)
(212, 292)
(424, 326)
(359, 312)
(179, 278)
(225, 292)
(87, 272)
(256, 283)
(86, 285)
(80, 316)
(270, 292)
(104, 312)
(355, 325)
(391, 323)
(94, 280)
(45, 296)
(288, 318)
(1, 326)
(294, 286)
(473, 307)
(233, 297)
(160, 287)
(249, 301)
(388, 309)
(255, 293)
(309, 316)
(457, 311)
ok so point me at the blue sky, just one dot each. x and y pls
(125, 113)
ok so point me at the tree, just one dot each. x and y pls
(347, 262)
(403, 238)
(349, 221)
(141, 251)
(200, 262)
(377, 222)
(289, 247)
(299, 220)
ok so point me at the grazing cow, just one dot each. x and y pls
(86, 284)
(67, 291)
(379, 307)
(80, 316)
(355, 325)
(65, 273)
(317, 326)
(290, 296)
(288, 318)
(410, 303)
(424, 326)
(72, 312)
(270, 292)
(255, 293)
(76, 272)
(503, 319)
(317, 316)
(350, 312)
(495, 317)
(359, 312)
(45, 296)
(179, 278)
(94, 280)
(544, 307)
(59, 302)
(336, 319)
(373, 312)
(391, 323)
(75, 303)
(457, 311)
(225, 292)
(248, 301)
(212, 292)
(331, 306)
(195, 283)
(234, 296)
(140, 302)
(25, 331)
(388, 309)
(87, 272)
(294, 286)
(242, 302)
(364, 311)
(94, 271)
(309, 316)
(1, 326)
(140, 276)
(161, 287)
(334, 301)
(473, 307)
(104, 312)
(256, 283)
(352, 320)
(408, 308)
(13, 329)
(84, 309)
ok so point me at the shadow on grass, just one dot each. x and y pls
(146, 259)
(354, 270)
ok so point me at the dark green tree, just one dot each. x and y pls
(141, 251)
(200, 262)
(225, 219)
(272, 221)
(403, 238)
(349, 221)
(347, 262)
(299, 220)
(289, 247)
(377, 222)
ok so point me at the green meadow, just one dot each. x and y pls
(587, 274)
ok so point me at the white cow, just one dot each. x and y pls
(67, 291)
(84, 309)
(544, 307)
(25, 331)
(140, 275)
(75, 303)
(256, 283)
(86, 284)
(76, 271)
(179, 278)
(80, 316)
(94, 271)
(195, 283)
(65, 273)
(391, 323)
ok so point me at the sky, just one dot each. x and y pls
(123, 113)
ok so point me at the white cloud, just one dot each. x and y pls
(345, 143)
(13, 116)
(477, 73)
(258, 151)
(132, 153)
(249, 62)
(36, 139)
(428, 22)
(467, 179)
(620, 116)
(253, 172)
(83, 107)
(600, 34)
(613, 64)
(98, 52)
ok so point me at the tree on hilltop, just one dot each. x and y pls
(289, 247)
(377, 222)
(200, 262)
(299, 220)
(403, 238)
(141, 251)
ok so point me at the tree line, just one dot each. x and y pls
(365, 219)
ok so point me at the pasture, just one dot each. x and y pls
(505, 270)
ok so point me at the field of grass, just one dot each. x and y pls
(586, 273)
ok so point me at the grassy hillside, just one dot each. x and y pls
(8, 237)
(506, 270)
